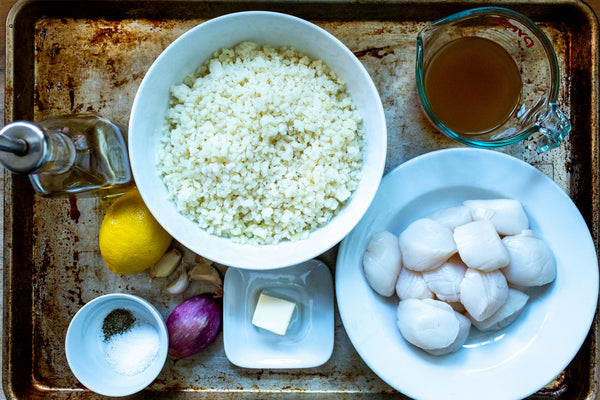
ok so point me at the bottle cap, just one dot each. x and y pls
(24, 147)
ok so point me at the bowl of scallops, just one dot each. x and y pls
(460, 274)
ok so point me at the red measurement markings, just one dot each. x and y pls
(501, 22)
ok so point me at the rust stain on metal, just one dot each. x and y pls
(46, 265)
(73, 210)
(557, 387)
(80, 60)
(378, 52)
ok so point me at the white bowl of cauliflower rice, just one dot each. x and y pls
(257, 140)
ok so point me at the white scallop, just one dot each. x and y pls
(382, 262)
(507, 215)
(483, 293)
(428, 324)
(506, 315)
(411, 285)
(464, 327)
(452, 217)
(426, 244)
(480, 246)
(445, 280)
(531, 263)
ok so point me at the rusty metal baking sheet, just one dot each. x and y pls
(76, 56)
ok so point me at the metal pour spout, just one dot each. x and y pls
(24, 147)
(16, 146)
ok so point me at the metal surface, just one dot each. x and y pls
(67, 57)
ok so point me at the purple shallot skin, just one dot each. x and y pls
(193, 325)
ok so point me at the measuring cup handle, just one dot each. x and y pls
(552, 126)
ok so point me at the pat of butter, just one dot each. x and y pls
(273, 314)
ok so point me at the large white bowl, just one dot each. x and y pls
(508, 364)
(180, 59)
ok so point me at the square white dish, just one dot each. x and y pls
(310, 335)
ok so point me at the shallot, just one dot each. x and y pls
(193, 325)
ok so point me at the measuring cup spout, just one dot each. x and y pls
(426, 30)
(552, 127)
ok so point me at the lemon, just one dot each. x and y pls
(131, 240)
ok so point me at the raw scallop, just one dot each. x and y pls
(445, 281)
(452, 217)
(506, 315)
(507, 215)
(411, 285)
(483, 293)
(382, 262)
(428, 324)
(426, 244)
(464, 327)
(531, 260)
(480, 246)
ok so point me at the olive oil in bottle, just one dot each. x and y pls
(70, 154)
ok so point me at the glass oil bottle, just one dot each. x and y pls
(71, 154)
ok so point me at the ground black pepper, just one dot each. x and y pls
(116, 322)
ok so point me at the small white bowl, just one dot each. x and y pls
(195, 47)
(84, 347)
(309, 339)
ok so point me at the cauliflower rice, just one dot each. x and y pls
(261, 145)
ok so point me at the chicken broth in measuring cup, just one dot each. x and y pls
(472, 85)
(488, 77)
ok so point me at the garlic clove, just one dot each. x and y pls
(204, 271)
(179, 285)
(166, 265)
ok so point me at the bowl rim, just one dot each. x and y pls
(162, 332)
(288, 253)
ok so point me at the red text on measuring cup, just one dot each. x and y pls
(504, 23)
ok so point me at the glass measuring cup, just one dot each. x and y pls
(535, 112)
